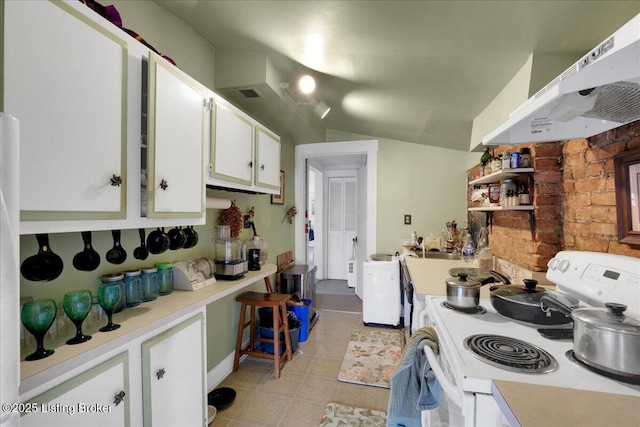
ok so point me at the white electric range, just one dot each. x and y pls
(592, 278)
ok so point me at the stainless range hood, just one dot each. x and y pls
(599, 92)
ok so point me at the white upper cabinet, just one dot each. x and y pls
(65, 80)
(244, 155)
(231, 145)
(267, 159)
(176, 117)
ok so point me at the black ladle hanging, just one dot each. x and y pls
(88, 259)
(45, 265)
(141, 252)
(117, 254)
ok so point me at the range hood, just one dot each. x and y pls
(599, 92)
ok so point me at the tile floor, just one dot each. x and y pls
(306, 385)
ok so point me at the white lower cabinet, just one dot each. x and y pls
(156, 379)
(173, 372)
(97, 397)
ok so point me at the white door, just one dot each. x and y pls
(231, 145)
(175, 186)
(65, 80)
(97, 397)
(174, 376)
(267, 159)
(341, 225)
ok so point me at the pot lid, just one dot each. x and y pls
(480, 274)
(528, 293)
(462, 280)
(610, 318)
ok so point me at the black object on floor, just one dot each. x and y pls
(221, 397)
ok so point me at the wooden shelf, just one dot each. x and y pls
(502, 208)
(500, 175)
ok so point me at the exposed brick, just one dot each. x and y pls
(605, 214)
(547, 200)
(610, 183)
(633, 143)
(547, 189)
(576, 173)
(575, 200)
(581, 214)
(589, 185)
(574, 159)
(622, 249)
(603, 198)
(575, 145)
(546, 163)
(605, 152)
(593, 244)
(602, 229)
(549, 149)
(568, 186)
(547, 212)
(576, 228)
(549, 238)
(548, 177)
(602, 138)
(595, 169)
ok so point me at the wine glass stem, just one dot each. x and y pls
(39, 343)
(79, 330)
(109, 316)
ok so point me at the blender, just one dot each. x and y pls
(229, 259)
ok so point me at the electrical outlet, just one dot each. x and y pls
(407, 219)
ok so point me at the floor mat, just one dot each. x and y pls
(348, 303)
(336, 415)
(371, 358)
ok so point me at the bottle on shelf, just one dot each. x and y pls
(525, 157)
(525, 197)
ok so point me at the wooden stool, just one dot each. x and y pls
(280, 324)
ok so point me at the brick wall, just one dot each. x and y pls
(573, 199)
(588, 191)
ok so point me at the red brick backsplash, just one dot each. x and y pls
(574, 201)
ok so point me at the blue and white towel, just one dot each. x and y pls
(414, 386)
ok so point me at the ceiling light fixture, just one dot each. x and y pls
(322, 109)
(306, 84)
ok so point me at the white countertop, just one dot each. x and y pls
(135, 322)
(429, 275)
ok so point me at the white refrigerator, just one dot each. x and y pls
(381, 297)
(9, 264)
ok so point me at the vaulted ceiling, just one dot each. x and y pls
(416, 71)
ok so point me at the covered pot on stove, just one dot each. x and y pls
(522, 302)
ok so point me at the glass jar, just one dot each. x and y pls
(525, 157)
(506, 187)
(165, 277)
(133, 288)
(149, 280)
(119, 279)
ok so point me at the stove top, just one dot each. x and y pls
(474, 310)
(510, 353)
(473, 373)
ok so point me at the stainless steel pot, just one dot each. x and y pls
(463, 292)
(605, 339)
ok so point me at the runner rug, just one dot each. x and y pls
(340, 415)
(371, 358)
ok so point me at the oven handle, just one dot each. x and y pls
(448, 388)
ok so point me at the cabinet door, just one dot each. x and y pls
(173, 375)
(97, 397)
(267, 159)
(175, 184)
(65, 80)
(231, 145)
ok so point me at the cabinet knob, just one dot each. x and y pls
(250, 164)
(164, 185)
(116, 180)
(119, 397)
(262, 167)
(160, 373)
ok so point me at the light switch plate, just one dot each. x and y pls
(407, 219)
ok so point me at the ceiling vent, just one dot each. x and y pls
(250, 92)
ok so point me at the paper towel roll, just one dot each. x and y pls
(218, 203)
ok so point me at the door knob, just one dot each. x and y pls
(119, 397)
(160, 373)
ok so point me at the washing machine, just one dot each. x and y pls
(381, 290)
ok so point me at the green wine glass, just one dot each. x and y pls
(37, 317)
(109, 295)
(77, 305)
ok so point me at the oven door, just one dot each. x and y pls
(449, 413)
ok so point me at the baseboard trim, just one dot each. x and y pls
(223, 369)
